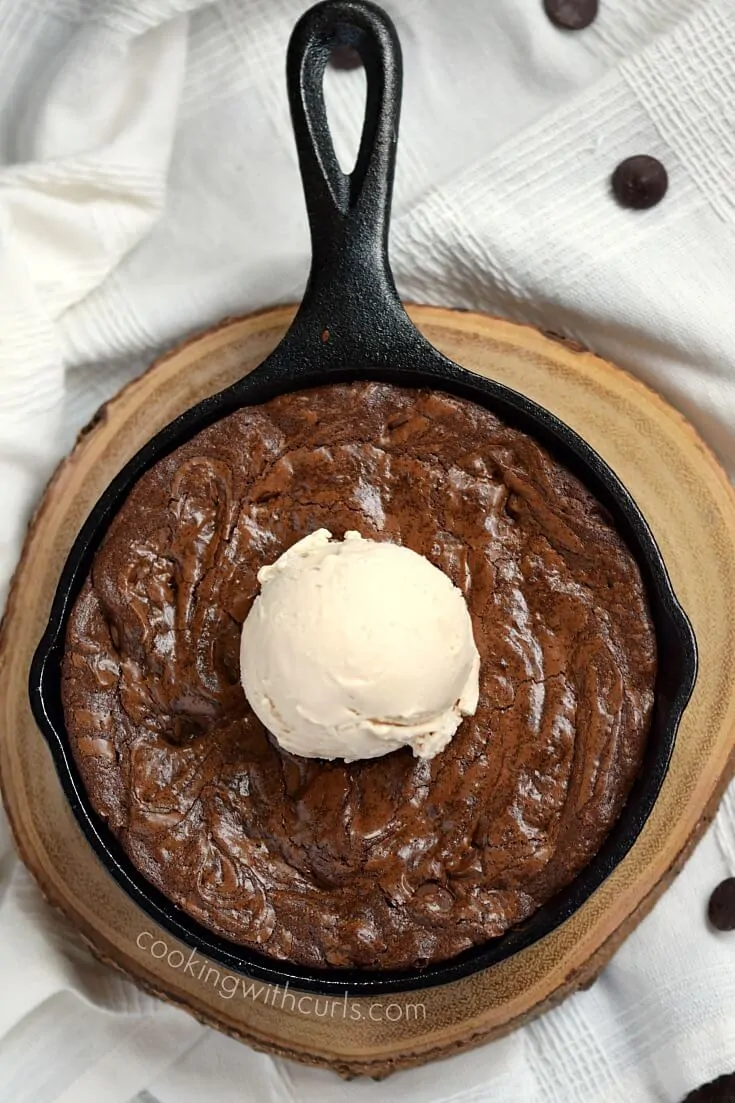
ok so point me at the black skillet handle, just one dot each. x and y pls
(351, 311)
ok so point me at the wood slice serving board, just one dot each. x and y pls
(691, 509)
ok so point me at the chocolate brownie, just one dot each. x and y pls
(393, 862)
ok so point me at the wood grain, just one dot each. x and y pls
(691, 508)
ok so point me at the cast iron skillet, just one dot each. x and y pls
(351, 325)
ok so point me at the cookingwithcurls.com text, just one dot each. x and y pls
(228, 986)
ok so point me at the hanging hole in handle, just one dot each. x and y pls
(349, 213)
(345, 98)
(331, 195)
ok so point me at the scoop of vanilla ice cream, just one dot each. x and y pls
(354, 648)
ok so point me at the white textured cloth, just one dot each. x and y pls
(149, 186)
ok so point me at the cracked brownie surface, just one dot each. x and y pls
(392, 862)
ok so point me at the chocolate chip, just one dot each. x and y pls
(571, 15)
(721, 909)
(640, 182)
(721, 1090)
(345, 57)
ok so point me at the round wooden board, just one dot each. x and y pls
(691, 508)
